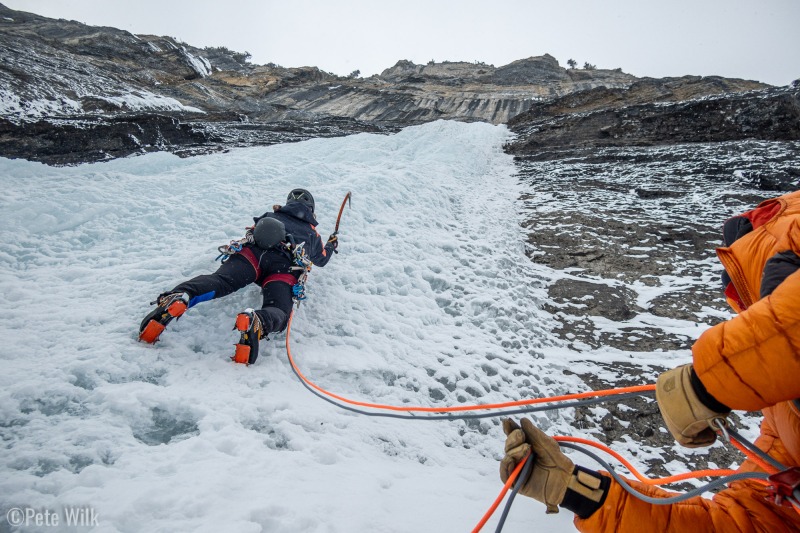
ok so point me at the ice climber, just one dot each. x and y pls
(750, 362)
(269, 257)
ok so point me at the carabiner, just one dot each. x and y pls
(720, 426)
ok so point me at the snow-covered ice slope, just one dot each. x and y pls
(430, 302)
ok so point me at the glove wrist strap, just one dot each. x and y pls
(704, 396)
(586, 492)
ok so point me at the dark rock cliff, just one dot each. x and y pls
(71, 92)
(653, 112)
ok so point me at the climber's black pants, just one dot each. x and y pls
(237, 273)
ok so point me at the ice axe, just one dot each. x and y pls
(339, 217)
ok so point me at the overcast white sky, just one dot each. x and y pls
(751, 39)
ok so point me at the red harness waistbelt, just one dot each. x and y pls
(285, 278)
(252, 259)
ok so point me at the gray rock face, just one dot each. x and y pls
(617, 219)
(66, 68)
(628, 237)
(68, 141)
(530, 71)
(95, 138)
(646, 115)
(64, 76)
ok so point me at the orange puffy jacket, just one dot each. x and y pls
(750, 362)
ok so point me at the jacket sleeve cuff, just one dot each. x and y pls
(705, 397)
(586, 492)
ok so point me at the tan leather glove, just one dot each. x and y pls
(554, 479)
(687, 417)
(551, 471)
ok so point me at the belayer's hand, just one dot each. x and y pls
(554, 479)
(551, 471)
(687, 416)
(333, 243)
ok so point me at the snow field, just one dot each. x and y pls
(430, 302)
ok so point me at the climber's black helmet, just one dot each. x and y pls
(302, 196)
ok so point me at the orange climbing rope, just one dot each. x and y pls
(509, 483)
(533, 401)
(766, 467)
(648, 481)
(575, 440)
(488, 406)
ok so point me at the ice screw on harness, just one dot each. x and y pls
(302, 262)
(299, 292)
